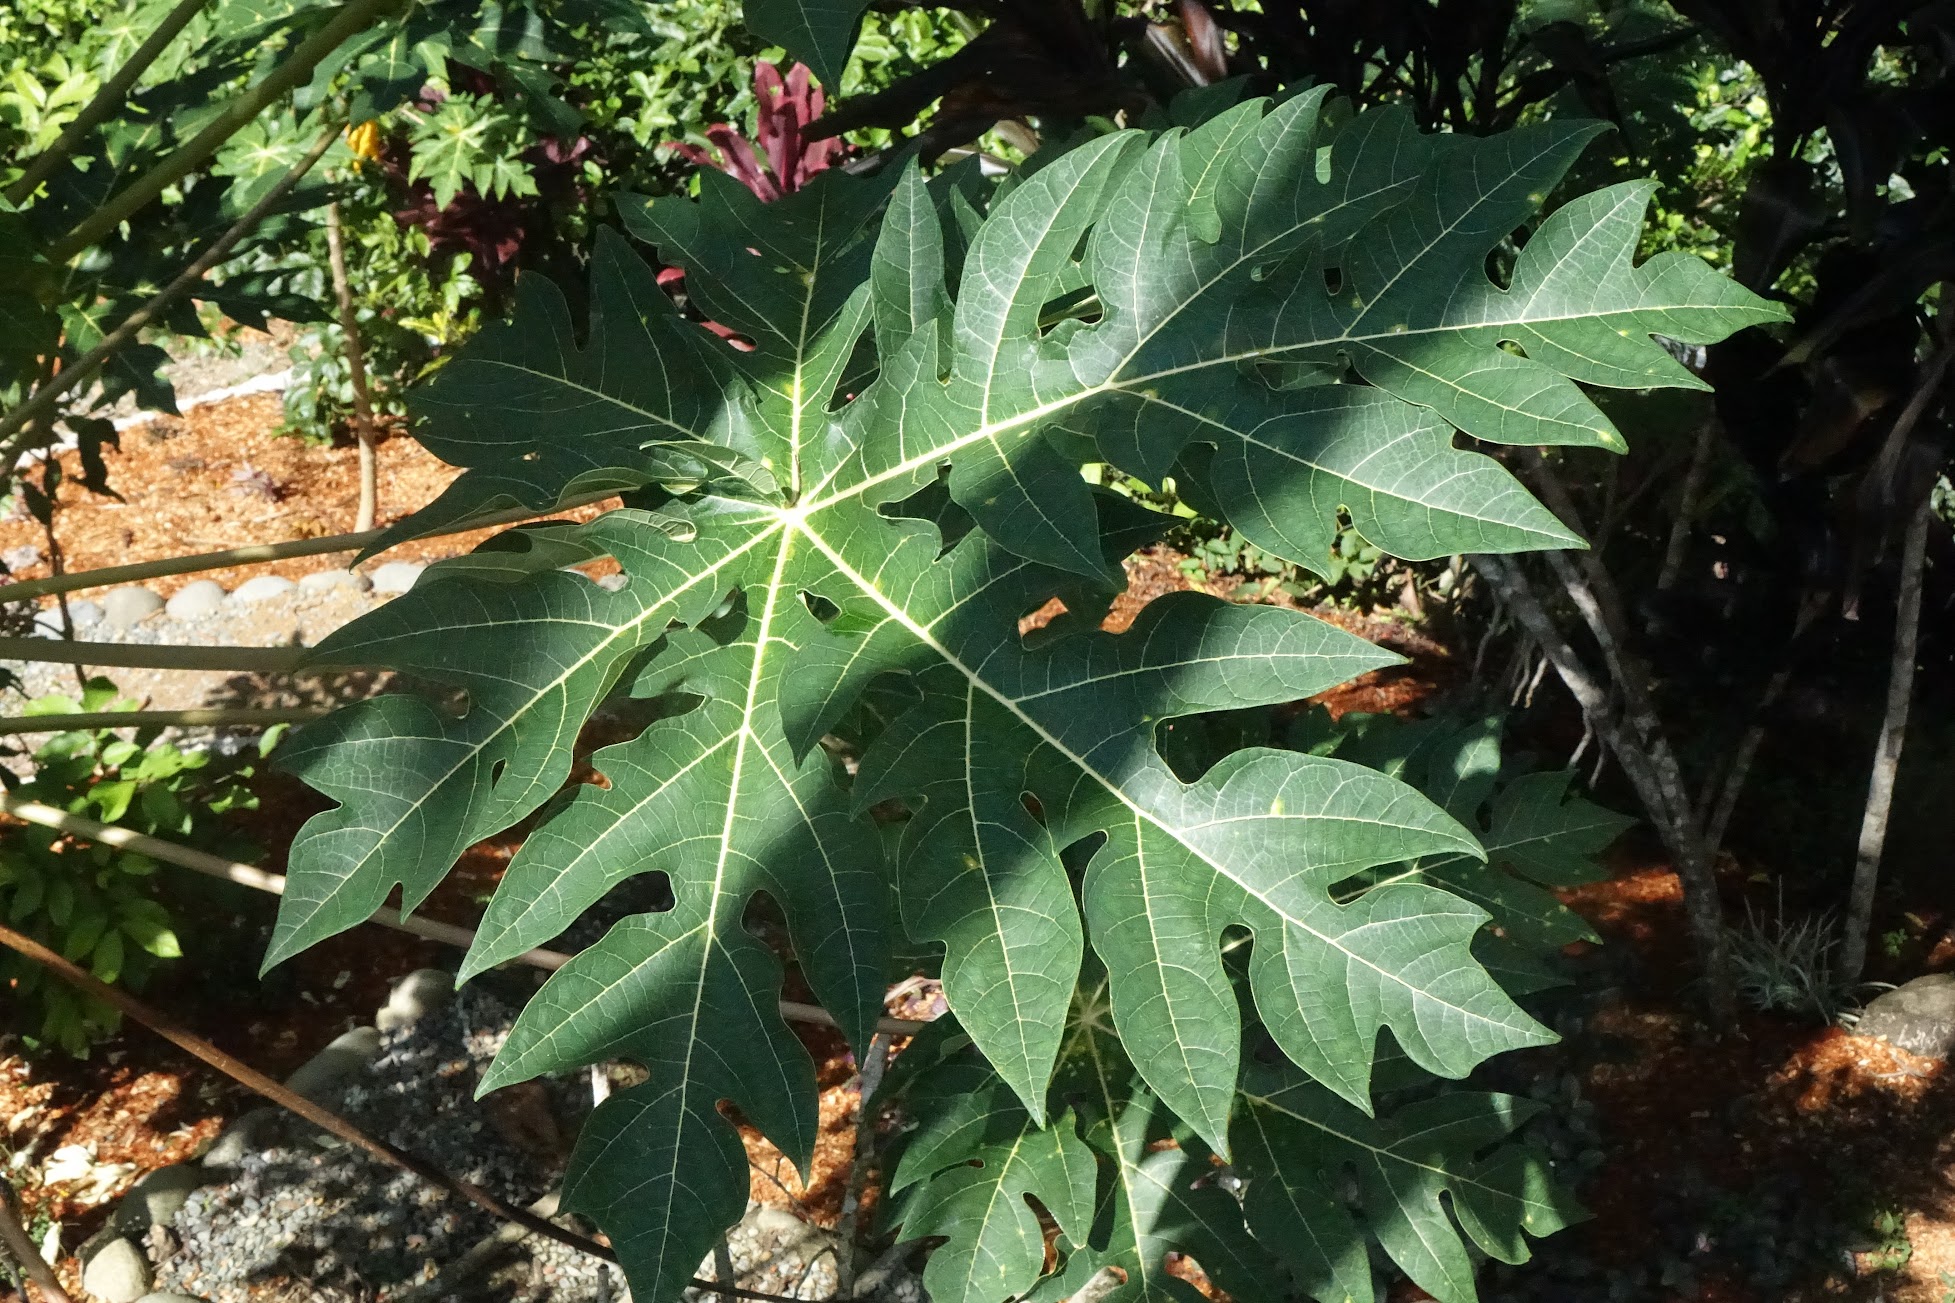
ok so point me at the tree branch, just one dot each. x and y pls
(353, 18)
(107, 100)
(1687, 498)
(245, 1075)
(19, 1245)
(1656, 784)
(356, 370)
(214, 718)
(239, 660)
(17, 425)
(253, 553)
(1887, 751)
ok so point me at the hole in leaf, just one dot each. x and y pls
(1500, 264)
(820, 607)
(1039, 619)
(1333, 280)
(1077, 856)
(1032, 807)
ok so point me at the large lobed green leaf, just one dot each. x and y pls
(875, 486)
(1311, 1181)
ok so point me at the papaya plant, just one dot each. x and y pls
(836, 524)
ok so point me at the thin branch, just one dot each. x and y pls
(237, 660)
(1600, 603)
(19, 1245)
(356, 368)
(1735, 777)
(1101, 1284)
(245, 1075)
(254, 553)
(354, 17)
(212, 718)
(506, 1236)
(15, 427)
(1887, 751)
(1687, 500)
(866, 1083)
(1675, 805)
(107, 100)
(246, 875)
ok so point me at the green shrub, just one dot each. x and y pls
(96, 904)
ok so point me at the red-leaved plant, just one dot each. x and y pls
(787, 106)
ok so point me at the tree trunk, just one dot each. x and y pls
(356, 366)
(1651, 770)
(1887, 752)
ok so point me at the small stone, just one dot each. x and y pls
(84, 613)
(46, 625)
(324, 581)
(414, 997)
(117, 1273)
(263, 589)
(123, 607)
(166, 1298)
(339, 1065)
(196, 600)
(1918, 1017)
(20, 558)
(611, 583)
(396, 576)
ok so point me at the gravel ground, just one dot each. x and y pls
(306, 1217)
(310, 1217)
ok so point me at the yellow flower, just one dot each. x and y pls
(364, 139)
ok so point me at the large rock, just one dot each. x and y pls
(322, 1077)
(85, 614)
(1918, 1017)
(396, 577)
(196, 600)
(122, 607)
(117, 1273)
(154, 1200)
(263, 589)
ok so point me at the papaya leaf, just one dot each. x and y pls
(868, 473)
(1311, 1181)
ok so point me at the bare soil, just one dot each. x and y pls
(218, 478)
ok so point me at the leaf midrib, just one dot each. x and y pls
(509, 721)
(1381, 1153)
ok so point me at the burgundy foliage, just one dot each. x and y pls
(787, 106)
